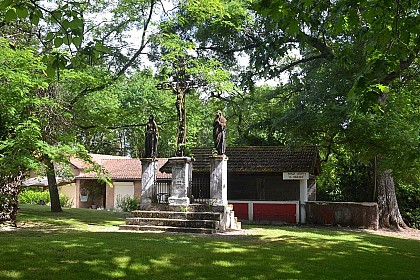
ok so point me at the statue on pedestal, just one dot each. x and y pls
(151, 138)
(219, 133)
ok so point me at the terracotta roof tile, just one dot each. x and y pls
(123, 168)
(118, 168)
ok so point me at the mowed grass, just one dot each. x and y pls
(74, 245)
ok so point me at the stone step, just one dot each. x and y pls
(212, 224)
(189, 208)
(195, 218)
(166, 229)
(176, 215)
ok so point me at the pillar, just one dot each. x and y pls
(303, 198)
(181, 176)
(148, 180)
(218, 180)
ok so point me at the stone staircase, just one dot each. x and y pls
(195, 218)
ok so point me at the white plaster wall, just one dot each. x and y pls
(122, 189)
(70, 191)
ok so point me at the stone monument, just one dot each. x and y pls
(180, 85)
(149, 163)
(218, 163)
(181, 177)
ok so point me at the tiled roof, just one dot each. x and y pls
(97, 158)
(261, 159)
(118, 168)
(123, 168)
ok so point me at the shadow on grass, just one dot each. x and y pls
(271, 253)
(40, 217)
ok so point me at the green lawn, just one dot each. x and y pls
(73, 245)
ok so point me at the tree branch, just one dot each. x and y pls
(143, 44)
(403, 66)
(119, 126)
(231, 51)
(144, 41)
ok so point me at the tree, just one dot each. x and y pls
(345, 61)
(21, 76)
(380, 43)
(68, 40)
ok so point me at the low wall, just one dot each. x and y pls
(351, 214)
(266, 211)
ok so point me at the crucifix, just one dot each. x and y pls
(180, 85)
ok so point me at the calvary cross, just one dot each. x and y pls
(180, 85)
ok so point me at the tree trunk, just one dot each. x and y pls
(389, 213)
(9, 191)
(52, 186)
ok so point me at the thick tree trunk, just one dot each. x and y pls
(9, 191)
(389, 213)
(52, 186)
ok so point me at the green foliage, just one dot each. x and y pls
(127, 203)
(65, 201)
(30, 196)
(21, 73)
(59, 25)
(409, 201)
(345, 179)
(34, 196)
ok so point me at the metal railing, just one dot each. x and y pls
(198, 192)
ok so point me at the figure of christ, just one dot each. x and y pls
(180, 86)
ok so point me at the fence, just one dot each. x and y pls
(198, 192)
(161, 192)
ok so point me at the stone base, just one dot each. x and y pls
(218, 202)
(218, 180)
(178, 201)
(145, 201)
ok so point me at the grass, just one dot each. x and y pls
(73, 245)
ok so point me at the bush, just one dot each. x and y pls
(409, 200)
(29, 196)
(127, 203)
(34, 197)
(66, 201)
(412, 218)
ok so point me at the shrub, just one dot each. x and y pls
(30, 196)
(409, 201)
(66, 201)
(34, 197)
(127, 203)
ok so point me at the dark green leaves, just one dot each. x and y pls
(10, 15)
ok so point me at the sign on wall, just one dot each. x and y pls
(295, 175)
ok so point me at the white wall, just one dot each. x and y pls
(122, 189)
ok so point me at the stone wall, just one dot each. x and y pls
(346, 214)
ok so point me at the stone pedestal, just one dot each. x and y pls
(148, 180)
(181, 176)
(218, 180)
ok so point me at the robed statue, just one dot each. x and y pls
(151, 138)
(219, 133)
